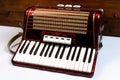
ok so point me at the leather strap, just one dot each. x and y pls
(12, 40)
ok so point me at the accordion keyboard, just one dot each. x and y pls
(74, 58)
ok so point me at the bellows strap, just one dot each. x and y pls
(12, 40)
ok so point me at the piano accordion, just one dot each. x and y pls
(60, 39)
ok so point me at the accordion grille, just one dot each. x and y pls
(61, 20)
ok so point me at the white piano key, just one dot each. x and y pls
(90, 65)
(32, 60)
(86, 62)
(46, 59)
(52, 58)
(72, 66)
(17, 54)
(81, 63)
(50, 49)
(42, 57)
(27, 55)
(30, 57)
(63, 61)
(69, 60)
(22, 55)
(57, 59)
(37, 57)
(77, 60)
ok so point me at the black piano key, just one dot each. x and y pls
(35, 52)
(78, 55)
(47, 50)
(57, 53)
(32, 48)
(90, 57)
(51, 51)
(22, 46)
(61, 55)
(41, 53)
(69, 53)
(73, 55)
(26, 47)
(85, 56)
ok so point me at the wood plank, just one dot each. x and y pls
(112, 27)
(12, 13)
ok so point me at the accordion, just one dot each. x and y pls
(61, 39)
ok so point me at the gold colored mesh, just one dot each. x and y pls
(61, 20)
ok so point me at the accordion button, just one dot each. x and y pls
(76, 6)
(68, 6)
(60, 5)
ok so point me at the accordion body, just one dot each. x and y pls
(61, 39)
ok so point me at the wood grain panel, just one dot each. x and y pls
(12, 12)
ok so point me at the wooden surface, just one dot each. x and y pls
(12, 11)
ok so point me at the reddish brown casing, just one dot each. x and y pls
(91, 39)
